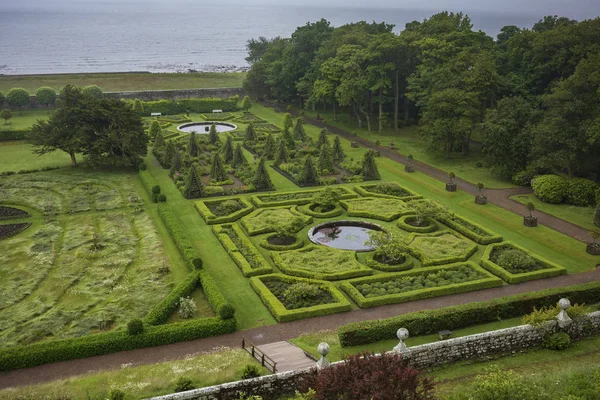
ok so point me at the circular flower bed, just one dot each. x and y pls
(278, 243)
(411, 223)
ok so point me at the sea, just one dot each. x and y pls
(48, 37)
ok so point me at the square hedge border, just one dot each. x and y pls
(212, 219)
(481, 239)
(366, 214)
(237, 256)
(282, 314)
(551, 270)
(485, 283)
(364, 191)
(448, 260)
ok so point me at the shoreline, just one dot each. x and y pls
(217, 69)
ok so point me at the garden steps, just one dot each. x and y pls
(287, 356)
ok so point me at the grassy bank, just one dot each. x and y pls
(119, 82)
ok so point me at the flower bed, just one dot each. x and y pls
(390, 190)
(376, 208)
(267, 220)
(10, 230)
(301, 197)
(216, 211)
(441, 248)
(470, 229)
(419, 284)
(269, 243)
(409, 224)
(242, 251)
(12, 213)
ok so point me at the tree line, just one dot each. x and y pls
(532, 94)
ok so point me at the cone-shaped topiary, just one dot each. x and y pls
(159, 141)
(337, 153)
(322, 139)
(193, 145)
(299, 132)
(228, 150)
(288, 123)
(194, 187)
(282, 156)
(138, 106)
(288, 139)
(239, 160)
(217, 170)
(213, 135)
(250, 133)
(269, 149)
(262, 180)
(170, 151)
(246, 103)
(154, 129)
(369, 169)
(309, 173)
(325, 160)
(176, 165)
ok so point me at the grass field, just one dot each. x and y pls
(22, 120)
(18, 155)
(121, 82)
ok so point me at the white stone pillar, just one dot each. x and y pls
(323, 351)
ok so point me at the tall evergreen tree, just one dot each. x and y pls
(168, 155)
(159, 142)
(369, 168)
(288, 123)
(217, 170)
(176, 165)
(299, 132)
(194, 187)
(323, 138)
(213, 135)
(262, 180)
(228, 150)
(269, 149)
(338, 154)
(193, 145)
(288, 139)
(325, 160)
(138, 106)
(238, 157)
(282, 156)
(309, 174)
(250, 133)
(154, 129)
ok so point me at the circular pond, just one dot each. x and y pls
(204, 127)
(344, 235)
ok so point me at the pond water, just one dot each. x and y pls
(344, 235)
(204, 127)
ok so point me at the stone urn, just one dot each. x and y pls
(451, 187)
(593, 249)
(480, 199)
(530, 221)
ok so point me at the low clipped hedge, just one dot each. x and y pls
(447, 260)
(160, 313)
(183, 243)
(336, 212)
(111, 342)
(253, 230)
(300, 197)
(549, 188)
(195, 105)
(282, 314)
(477, 233)
(363, 190)
(551, 270)
(212, 219)
(5, 136)
(237, 256)
(148, 181)
(349, 287)
(431, 227)
(264, 243)
(217, 116)
(214, 296)
(455, 317)
(353, 212)
(406, 265)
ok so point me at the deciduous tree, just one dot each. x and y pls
(17, 97)
(93, 91)
(5, 114)
(45, 96)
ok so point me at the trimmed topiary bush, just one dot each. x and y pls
(581, 192)
(135, 327)
(550, 188)
(226, 311)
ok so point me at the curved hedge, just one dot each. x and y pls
(432, 227)
(549, 188)
(264, 243)
(212, 219)
(336, 212)
(406, 265)
(364, 190)
(455, 317)
(237, 254)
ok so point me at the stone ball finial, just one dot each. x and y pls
(564, 304)
(402, 333)
(323, 349)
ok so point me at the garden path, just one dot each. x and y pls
(273, 333)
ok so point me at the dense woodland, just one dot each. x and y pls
(533, 95)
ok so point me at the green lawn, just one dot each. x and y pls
(18, 155)
(121, 82)
(582, 216)
(22, 120)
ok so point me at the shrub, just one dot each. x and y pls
(45, 96)
(538, 316)
(501, 385)
(250, 371)
(162, 198)
(5, 114)
(556, 341)
(301, 294)
(135, 327)
(116, 394)
(549, 188)
(197, 263)
(226, 311)
(366, 376)
(597, 215)
(17, 97)
(187, 307)
(516, 262)
(581, 192)
(93, 91)
(184, 384)
(142, 166)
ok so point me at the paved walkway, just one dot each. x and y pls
(287, 356)
(286, 331)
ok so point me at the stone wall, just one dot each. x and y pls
(479, 346)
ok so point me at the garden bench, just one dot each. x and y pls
(155, 114)
(445, 334)
(217, 111)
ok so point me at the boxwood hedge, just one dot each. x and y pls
(242, 255)
(336, 212)
(367, 191)
(470, 229)
(163, 310)
(183, 243)
(406, 265)
(455, 317)
(431, 227)
(382, 209)
(255, 224)
(212, 219)
(300, 197)
(426, 256)
(264, 243)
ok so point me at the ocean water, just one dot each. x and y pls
(111, 36)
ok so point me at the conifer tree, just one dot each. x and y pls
(269, 149)
(217, 170)
(238, 157)
(193, 145)
(325, 160)
(288, 123)
(322, 139)
(299, 132)
(159, 142)
(194, 187)
(288, 139)
(369, 169)
(154, 129)
(138, 106)
(246, 103)
(309, 173)
(176, 165)
(213, 135)
(170, 151)
(228, 150)
(262, 180)
(250, 133)
(282, 156)
(337, 152)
